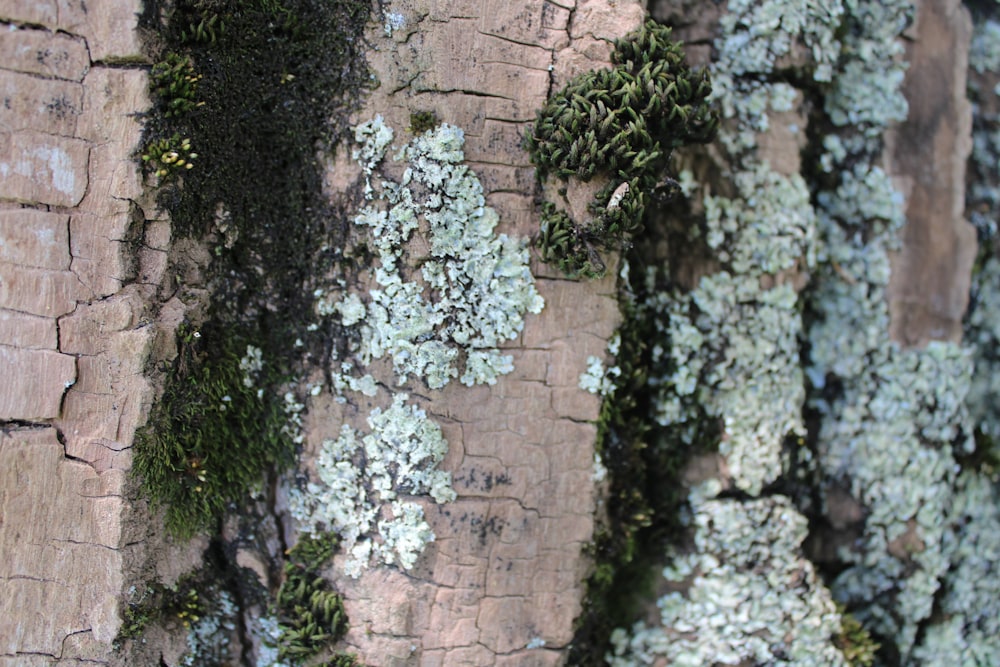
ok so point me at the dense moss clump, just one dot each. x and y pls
(621, 124)
(246, 93)
(218, 427)
(310, 613)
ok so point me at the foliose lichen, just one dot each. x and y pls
(474, 286)
(745, 593)
(893, 421)
(361, 479)
(444, 319)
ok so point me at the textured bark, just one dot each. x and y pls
(83, 254)
(929, 289)
(507, 566)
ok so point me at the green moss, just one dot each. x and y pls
(258, 87)
(276, 84)
(623, 124)
(854, 641)
(311, 614)
(169, 156)
(180, 604)
(645, 497)
(423, 121)
(174, 83)
(215, 432)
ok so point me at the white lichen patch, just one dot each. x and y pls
(366, 484)
(746, 596)
(210, 634)
(446, 293)
(730, 347)
(968, 631)
(755, 35)
(600, 380)
(892, 428)
(473, 286)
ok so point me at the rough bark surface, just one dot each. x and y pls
(77, 266)
(506, 570)
(929, 289)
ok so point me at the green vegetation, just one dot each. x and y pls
(179, 603)
(218, 428)
(423, 121)
(854, 641)
(259, 87)
(175, 85)
(645, 497)
(168, 156)
(621, 124)
(310, 613)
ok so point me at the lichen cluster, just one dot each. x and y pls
(364, 482)
(743, 595)
(729, 349)
(446, 293)
(474, 286)
(621, 124)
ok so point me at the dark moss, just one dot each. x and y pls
(275, 81)
(644, 464)
(621, 123)
(423, 121)
(248, 93)
(211, 437)
(310, 612)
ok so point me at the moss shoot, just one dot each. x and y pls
(310, 613)
(622, 124)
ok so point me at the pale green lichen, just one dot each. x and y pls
(754, 37)
(600, 380)
(891, 429)
(474, 286)
(744, 595)
(967, 632)
(731, 346)
(447, 291)
(364, 482)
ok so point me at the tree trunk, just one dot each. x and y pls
(769, 397)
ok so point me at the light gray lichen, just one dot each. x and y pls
(891, 431)
(744, 595)
(967, 632)
(365, 482)
(600, 380)
(446, 293)
(473, 287)
(731, 346)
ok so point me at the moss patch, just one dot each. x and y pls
(246, 95)
(218, 427)
(621, 124)
(310, 613)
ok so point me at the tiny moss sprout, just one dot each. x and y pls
(165, 157)
(622, 124)
(423, 121)
(175, 84)
(854, 641)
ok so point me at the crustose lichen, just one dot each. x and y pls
(620, 124)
